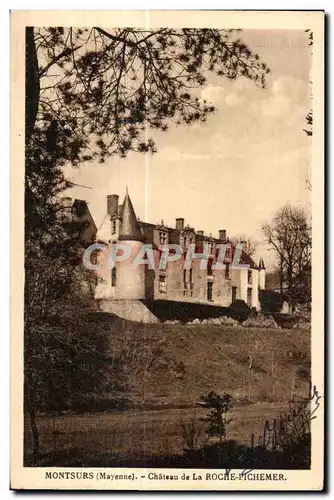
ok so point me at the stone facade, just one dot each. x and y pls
(175, 282)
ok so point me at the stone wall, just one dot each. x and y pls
(132, 310)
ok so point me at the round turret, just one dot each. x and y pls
(130, 278)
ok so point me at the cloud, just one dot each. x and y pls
(287, 100)
(233, 99)
(231, 94)
(212, 93)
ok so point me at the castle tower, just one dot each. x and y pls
(262, 275)
(130, 279)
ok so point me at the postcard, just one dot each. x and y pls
(167, 272)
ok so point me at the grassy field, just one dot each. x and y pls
(135, 435)
(162, 371)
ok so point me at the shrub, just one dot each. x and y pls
(192, 433)
(260, 321)
(218, 406)
(239, 310)
(227, 321)
(305, 325)
(270, 301)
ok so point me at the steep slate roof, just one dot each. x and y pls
(261, 264)
(174, 237)
(130, 229)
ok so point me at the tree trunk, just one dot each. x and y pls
(290, 286)
(29, 391)
(281, 276)
(32, 83)
(35, 435)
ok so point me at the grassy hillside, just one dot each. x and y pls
(174, 364)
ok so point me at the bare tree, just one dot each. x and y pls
(289, 236)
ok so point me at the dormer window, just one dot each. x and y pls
(188, 239)
(163, 237)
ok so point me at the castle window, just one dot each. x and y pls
(209, 267)
(227, 272)
(93, 257)
(185, 286)
(113, 227)
(162, 284)
(163, 237)
(113, 276)
(234, 293)
(249, 297)
(209, 290)
(191, 282)
(228, 251)
(249, 277)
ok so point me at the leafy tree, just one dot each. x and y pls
(51, 294)
(52, 245)
(218, 406)
(270, 301)
(64, 361)
(289, 236)
(102, 89)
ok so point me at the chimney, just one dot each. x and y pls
(200, 233)
(112, 204)
(222, 234)
(179, 224)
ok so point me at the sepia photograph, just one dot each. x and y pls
(169, 251)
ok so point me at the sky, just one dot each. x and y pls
(232, 172)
